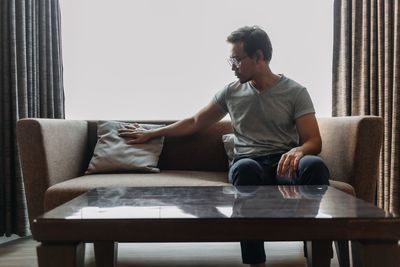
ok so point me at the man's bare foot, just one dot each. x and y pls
(258, 265)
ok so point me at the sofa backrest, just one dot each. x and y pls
(203, 151)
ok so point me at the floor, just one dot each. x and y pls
(21, 253)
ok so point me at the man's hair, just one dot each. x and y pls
(253, 38)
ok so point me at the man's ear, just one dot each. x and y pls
(259, 55)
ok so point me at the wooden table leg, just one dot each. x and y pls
(319, 253)
(61, 255)
(375, 253)
(106, 254)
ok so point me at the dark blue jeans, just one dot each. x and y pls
(262, 171)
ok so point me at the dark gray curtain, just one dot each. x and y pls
(366, 78)
(31, 85)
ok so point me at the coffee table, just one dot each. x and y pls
(319, 214)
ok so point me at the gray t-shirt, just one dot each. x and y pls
(264, 122)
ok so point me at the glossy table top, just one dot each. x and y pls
(273, 202)
(197, 214)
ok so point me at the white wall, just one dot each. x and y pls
(165, 59)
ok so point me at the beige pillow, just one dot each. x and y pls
(113, 154)
(229, 145)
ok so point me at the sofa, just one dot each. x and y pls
(55, 154)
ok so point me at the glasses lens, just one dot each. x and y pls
(230, 61)
(233, 62)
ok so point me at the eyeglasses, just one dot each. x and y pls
(235, 61)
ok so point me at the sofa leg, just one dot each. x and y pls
(342, 252)
(106, 253)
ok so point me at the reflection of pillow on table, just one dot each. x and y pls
(113, 154)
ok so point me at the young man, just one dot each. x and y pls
(275, 130)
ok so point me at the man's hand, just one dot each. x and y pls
(289, 162)
(309, 144)
(134, 134)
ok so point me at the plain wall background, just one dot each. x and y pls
(165, 59)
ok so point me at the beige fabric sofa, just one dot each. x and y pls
(55, 153)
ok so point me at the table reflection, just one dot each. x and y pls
(287, 201)
(208, 202)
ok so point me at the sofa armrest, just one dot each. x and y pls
(351, 148)
(51, 151)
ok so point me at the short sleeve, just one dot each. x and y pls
(303, 104)
(220, 99)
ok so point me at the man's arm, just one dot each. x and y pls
(205, 117)
(309, 144)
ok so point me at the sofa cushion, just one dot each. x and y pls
(69, 189)
(113, 154)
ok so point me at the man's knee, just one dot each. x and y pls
(313, 170)
(246, 172)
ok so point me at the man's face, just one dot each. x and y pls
(242, 64)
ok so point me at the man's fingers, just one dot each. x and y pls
(295, 164)
(124, 130)
(280, 168)
(129, 127)
(293, 167)
(285, 165)
(128, 134)
(132, 126)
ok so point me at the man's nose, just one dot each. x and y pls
(234, 68)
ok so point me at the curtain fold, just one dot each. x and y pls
(31, 85)
(366, 81)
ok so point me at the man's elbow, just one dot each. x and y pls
(195, 124)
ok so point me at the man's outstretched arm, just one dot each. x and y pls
(207, 116)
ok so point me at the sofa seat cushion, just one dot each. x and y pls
(342, 186)
(69, 189)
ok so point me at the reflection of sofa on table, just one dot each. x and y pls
(55, 154)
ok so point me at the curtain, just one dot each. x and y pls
(31, 85)
(366, 69)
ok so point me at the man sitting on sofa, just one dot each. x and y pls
(276, 133)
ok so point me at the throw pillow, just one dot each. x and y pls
(229, 145)
(113, 154)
